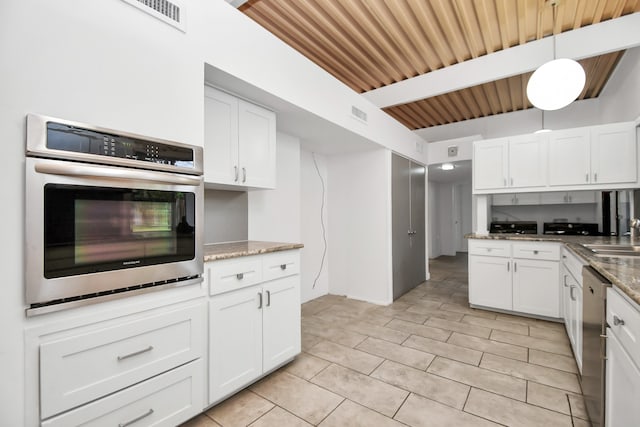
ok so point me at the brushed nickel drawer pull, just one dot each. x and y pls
(135, 420)
(535, 252)
(240, 276)
(260, 298)
(268, 298)
(283, 266)
(135, 353)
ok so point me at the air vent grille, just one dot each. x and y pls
(358, 113)
(171, 12)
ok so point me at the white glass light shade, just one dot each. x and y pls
(556, 84)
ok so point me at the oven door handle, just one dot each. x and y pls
(102, 172)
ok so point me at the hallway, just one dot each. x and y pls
(425, 360)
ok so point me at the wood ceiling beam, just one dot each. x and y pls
(589, 41)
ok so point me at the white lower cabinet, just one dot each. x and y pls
(521, 277)
(166, 400)
(254, 329)
(535, 287)
(571, 285)
(106, 368)
(622, 383)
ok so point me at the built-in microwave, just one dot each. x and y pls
(108, 214)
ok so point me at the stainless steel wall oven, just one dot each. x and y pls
(108, 212)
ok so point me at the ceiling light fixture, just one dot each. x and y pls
(557, 83)
(447, 166)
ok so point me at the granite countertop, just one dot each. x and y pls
(217, 251)
(622, 272)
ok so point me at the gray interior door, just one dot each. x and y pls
(417, 238)
(400, 218)
(408, 227)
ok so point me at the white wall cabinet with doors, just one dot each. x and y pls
(571, 285)
(514, 162)
(145, 364)
(254, 318)
(240, 142)
(622, 379)
(594, 155)
(515, 276)
(602, 157)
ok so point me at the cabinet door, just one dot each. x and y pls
(220, 137)
(581, 197)
(490, 164)
(527, 199)
(535, 287)
(565, 283)
(505, 199)
(235, 341)
(622, 386)
(257, 145)
(569, 157)
(613, 154)
(490, 281)
(280, 321)
(577, 307)
(554, 198)
(527, 161)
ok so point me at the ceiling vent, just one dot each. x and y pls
(358, 114)
(170, 12)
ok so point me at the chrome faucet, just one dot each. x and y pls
(634, 224)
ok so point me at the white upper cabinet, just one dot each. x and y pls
(514, 162)
(490, 164)
(240, 142)
(595, 157)
(613, 154)
(569, 155)
(590, 156)
(527, 166)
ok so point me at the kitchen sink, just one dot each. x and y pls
(611, 250)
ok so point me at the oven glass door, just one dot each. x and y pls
(89, 229)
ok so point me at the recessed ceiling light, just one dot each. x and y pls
(447, 166)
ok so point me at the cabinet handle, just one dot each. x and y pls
(268, 298)
(135, 353)
(505, 181)
(565, 280)
(565, 198)
(595, 177)
(570, 199)
(515, 267)
(512, 182)
(240, 276)
(617, 321)
(586, 178)
(235, 173)
(535, 252)
(573, 298)
(260, 300)
(508, 265)
(283, 266)
(244, 175)
(135, 420)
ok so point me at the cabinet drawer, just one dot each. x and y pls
(627, 332)
(573, 264)
(546, 251)
(166, 400)
(280, 264)
(236, 273)
(489, 247)
(84, 367)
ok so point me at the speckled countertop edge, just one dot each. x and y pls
(623, 273)
(218, 251)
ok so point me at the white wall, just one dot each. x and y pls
(312, 200)
(360, 224)
(620, 99)
(274, 215)
(433, 220)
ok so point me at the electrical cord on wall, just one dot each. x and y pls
(324, 230)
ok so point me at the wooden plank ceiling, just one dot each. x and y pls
(368, 44)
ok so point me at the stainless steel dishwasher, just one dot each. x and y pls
(594, 327)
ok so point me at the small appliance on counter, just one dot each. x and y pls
(514, 227)
(570, 228)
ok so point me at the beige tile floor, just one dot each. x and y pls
(426, 360)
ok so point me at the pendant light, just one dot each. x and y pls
(557, 83)
(542, 129)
